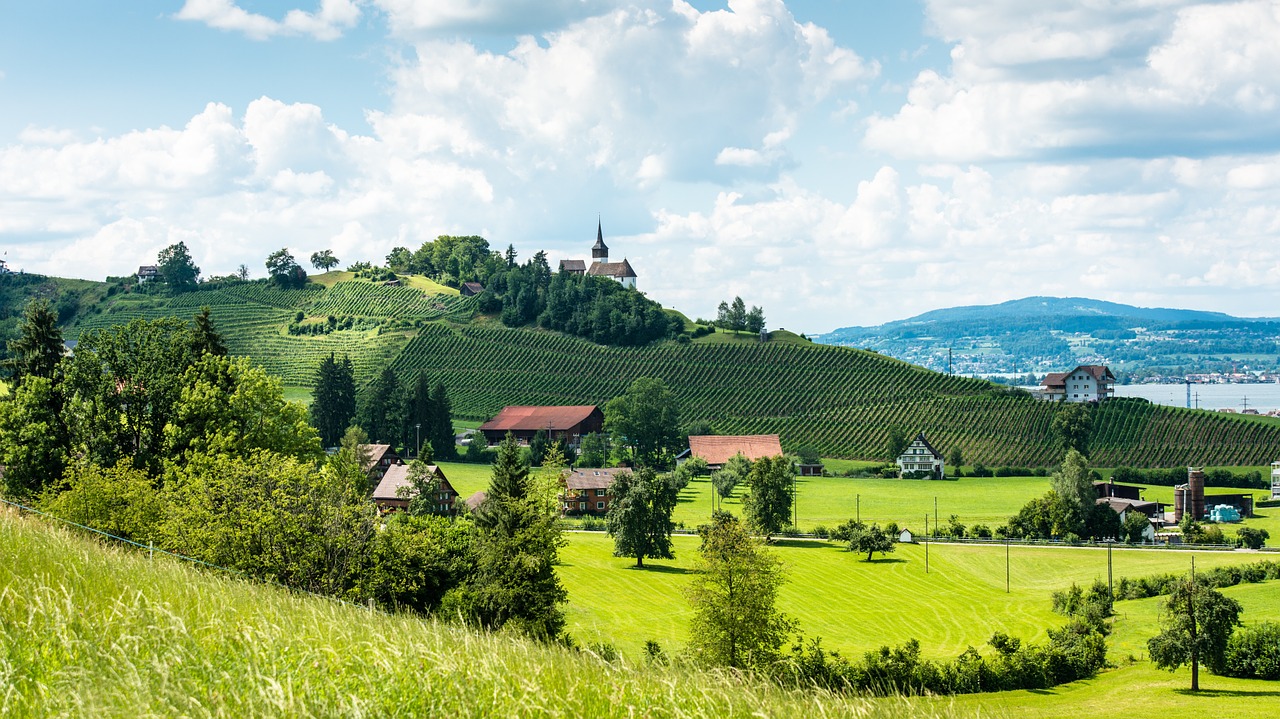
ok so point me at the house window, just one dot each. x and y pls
(582, 506)
(599, 505)
(599, 492)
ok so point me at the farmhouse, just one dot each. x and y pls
(147, 273)
(1086, 383)
(600, 264)
(566, 425)
(395, 490)
(1275, 481)
(378, 457)
(587, 491)
(920, 456)
(1119, 491)
(718, 449)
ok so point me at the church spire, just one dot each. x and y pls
(599, 251)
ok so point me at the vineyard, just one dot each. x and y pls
(842, 401)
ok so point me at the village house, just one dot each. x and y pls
(566, 425)
(394, 491)
(600, 264)
(589, 491)
(147, 273)
(920, 456)
(378, 457)
(718, 449)
(1086, 383)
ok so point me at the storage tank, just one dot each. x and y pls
(1194, 502)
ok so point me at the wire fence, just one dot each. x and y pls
(152, 550)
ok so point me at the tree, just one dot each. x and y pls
(441, 434)
(955, 458)
(38, 349)
(324, 260)
(755, 320)
(1197, 625)
(768, 503)
(538, 447)
(1134, 526)
(870, 540)
(737, 314)
(176, 267)
(646, 420)
(896, 443)
(284, 270)
(736, 622)
(378, 408)
(1073, 484)
(1251, 537)
(808, 454)
(639, 518)
(515, 584)
(34, 441)
(206, 338)
(400, 260)
(334, 399)
(594, 450)
(1071, 425)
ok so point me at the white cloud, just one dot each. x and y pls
(327, 22)
(410, 17)
(1108, 79)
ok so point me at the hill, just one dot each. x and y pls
(842, 401)
(95, 632)
(1036, 335)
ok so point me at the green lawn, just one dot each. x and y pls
(856, 605)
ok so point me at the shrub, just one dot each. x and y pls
(1254, 652)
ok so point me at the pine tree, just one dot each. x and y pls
(38, 349)
(441, 433)
(334, 403)
(207, 340)
(377, 413)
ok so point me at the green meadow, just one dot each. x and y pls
(855, 605)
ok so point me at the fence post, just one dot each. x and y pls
(151, 550)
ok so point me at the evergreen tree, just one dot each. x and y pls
(639, 518)
(378, 409)
(420, 412)
(207, 340)
(514, 584)
(38, 349)
(334, 403)
(738, 314)
(34, 443)
(441, 433)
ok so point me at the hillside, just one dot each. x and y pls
(1036, 335)
(843, 401)
(95, 632)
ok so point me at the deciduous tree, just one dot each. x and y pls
(767, 504)
(177, 269)
(1072, 424)
(1197, 625)
(639, 518)
(323, 260)
(736, 622)
(870, 540)
(646, 420)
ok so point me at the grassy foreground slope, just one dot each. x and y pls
(842, 401)
(95, 632)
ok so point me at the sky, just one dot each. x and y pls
(836, 162)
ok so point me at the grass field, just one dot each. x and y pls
(856, 605)
(92, 632)
(88, 631)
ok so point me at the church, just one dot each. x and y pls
(600, 264)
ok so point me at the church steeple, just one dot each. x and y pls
(599, 251)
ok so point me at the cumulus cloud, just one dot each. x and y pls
(1101, 79)
(414, 17)
(327, 22)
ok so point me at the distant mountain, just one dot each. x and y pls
(1036, 335)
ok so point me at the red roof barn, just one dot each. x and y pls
(566, 425)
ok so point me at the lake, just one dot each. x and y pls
(1262, 397)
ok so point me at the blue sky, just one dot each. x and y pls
(837, 162)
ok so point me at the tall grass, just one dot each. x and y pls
(88, 630)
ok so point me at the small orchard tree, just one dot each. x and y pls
(1197, 625)
(768, 503)
(639, 518)
(736, 622)
(324, 260)
(870, 540)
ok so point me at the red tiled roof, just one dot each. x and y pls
(536, 418)
(593, 478)
(1101, 373)
(717, 449)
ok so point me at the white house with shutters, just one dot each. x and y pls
(1086, 383)
(920, 456)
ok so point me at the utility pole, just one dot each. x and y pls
(858, 508)
(1110, 586)
(926, 554)
(417, 448)
(935, 513)
(1006, 565)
